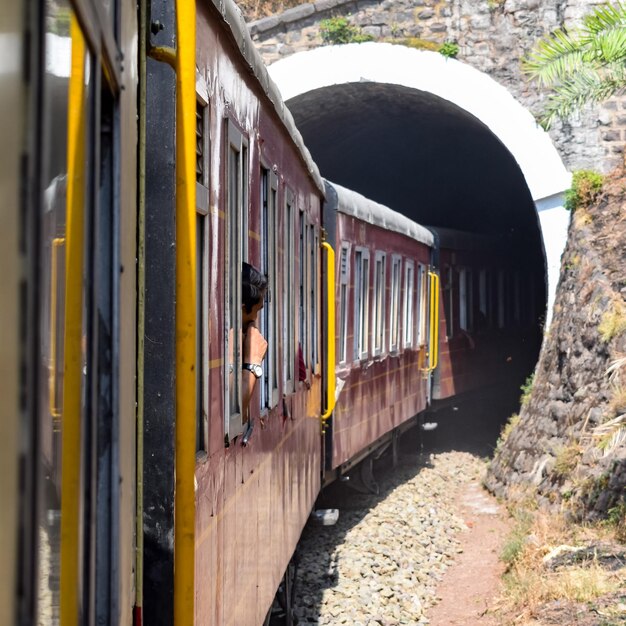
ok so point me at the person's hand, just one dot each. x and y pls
(254, 345)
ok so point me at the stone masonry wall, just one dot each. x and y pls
(492, 35)
(569, 446)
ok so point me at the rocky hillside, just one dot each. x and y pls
(568, 444)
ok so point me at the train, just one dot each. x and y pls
(149, 156)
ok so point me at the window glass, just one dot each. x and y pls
(361, 303)
(407, 317)
(379, 304)
(67, 91)
(422, 304)
(202, 209)
(394, 305)
(314, 290)
(288, 296)
(344, 273)
(449, 301)
(268, 315)
(501, 299)
(303, 289)
(237, 238)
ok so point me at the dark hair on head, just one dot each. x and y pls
(253, 286)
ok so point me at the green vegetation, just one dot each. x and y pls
(338, 30)
(583, 66)
(586, 185)
(518, 537)
(566, 460)
(613, 322)
(506, 430)
(527, 389)
(449, 49)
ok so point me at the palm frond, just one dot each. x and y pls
(605, 18)
(555, 58)
(587, 86)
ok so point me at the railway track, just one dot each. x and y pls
(382, 561)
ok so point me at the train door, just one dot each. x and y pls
(11, 312)
(79, 344)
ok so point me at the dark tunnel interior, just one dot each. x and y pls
(429, 159)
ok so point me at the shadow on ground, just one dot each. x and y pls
(470, 425)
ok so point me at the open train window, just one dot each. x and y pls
(361, 302)
(501, 299)
(422, 301)
(289, 347)
(407, 308)
(202, 238)
(269, 313)
(314, 291)
(448, 301)
(303, 300)
(344, 281)
(380, 287)
(237, 186)
(466, 299)
(394, 304)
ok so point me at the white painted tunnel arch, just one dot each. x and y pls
(464, 86)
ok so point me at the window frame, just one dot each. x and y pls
(361, 303)
(408, 307)
(379, 303)
(394, 304)
(236, 148)
(344, 299)
(202, 277)
(289, 304)
(268, 190)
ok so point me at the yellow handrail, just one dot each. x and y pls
(330, 328)
(433, 359)
(185, 509)
(54, 408)
(71, 435)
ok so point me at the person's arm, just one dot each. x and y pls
(254, 349)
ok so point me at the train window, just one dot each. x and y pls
(448, 295)
(202, 234)
(288, 295)
(361, 302)
(314, 290)
(464, 300)
(303, 309)
(422, 302)
(407, 317)
(344, 275)
(394, 304)
(378, 321)
(501, 299)
(517, 296)
(269, 313)
(483, 298)
(237, 185)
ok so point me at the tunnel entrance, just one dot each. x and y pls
(433, 161)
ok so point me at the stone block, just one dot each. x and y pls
(425, 14)
(297, 13)
(611, 135)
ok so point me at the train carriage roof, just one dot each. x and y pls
(352, 203)
(233, 17)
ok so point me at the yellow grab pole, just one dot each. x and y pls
(185, 508)
(73, 334)
(330, 327)
(434, 321)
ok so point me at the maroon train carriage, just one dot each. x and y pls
(489, 309)
(382, 324)
(259, 200)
